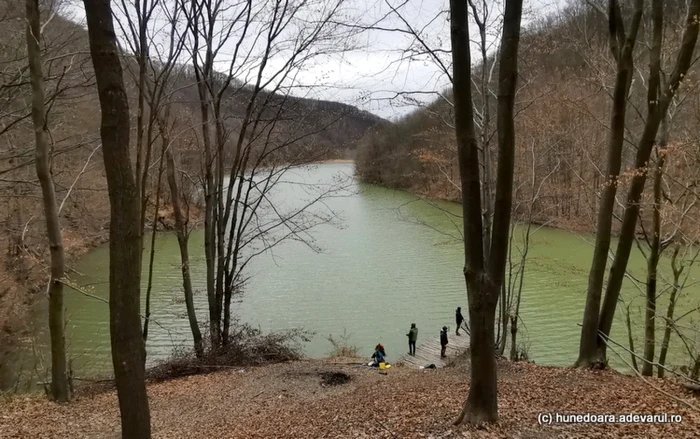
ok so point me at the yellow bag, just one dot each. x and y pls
(384, 366)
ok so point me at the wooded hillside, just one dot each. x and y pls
(315, 129)
(563, 104)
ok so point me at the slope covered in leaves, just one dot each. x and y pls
(292, 401)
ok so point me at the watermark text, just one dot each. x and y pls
(598, 418)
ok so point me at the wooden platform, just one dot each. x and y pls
(428, 351)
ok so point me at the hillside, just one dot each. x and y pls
(566, 74)
(302, 399)
(319, 129)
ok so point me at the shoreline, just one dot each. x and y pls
(336, 161)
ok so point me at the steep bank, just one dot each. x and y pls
(300, 399)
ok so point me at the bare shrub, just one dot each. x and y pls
(342, 346)
(248, 346)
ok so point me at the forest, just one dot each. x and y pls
(125, 121)
(322, 130)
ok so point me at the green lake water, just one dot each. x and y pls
(389, 262)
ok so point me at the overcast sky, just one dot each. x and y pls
(380, 74)
(371, 76)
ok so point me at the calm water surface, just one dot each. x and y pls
(390, 262)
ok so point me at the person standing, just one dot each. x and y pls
(412, 337)
(459, 319)
(443, 341)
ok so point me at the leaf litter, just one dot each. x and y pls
(319, 399)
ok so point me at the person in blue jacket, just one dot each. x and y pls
(379, 355)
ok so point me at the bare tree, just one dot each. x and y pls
(128, 350)
(598, 321)
(484, 278)
(182, 240)
(156, 51)
(60, 389)
(271, 42)
(658, 102)
(622, 48)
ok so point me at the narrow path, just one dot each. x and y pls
(428, 352)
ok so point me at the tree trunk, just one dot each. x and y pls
(654, 254)
(487, 195)
(508, 75)
(124, 231)
(481, 405)
(154, 234)
(60, 389)
(203, 73)
(210, 248)
(630, 340)
(670, 310)
(513, 338)
(629, 222)
(505, 300)
(468, 156)
(182, 238)
(483, 288)
(655, 246)
(588, 348)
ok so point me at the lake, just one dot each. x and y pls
(390, 260)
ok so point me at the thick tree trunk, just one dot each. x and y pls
(508, 76)
(483, 288)
(468, 156)
(646, 143)
(588, 348)
(481, 405)
(182, 238)
(507, 79)
(60, 389)
(124, 231)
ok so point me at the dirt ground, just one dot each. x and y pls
(312, 399)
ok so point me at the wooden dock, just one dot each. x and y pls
(428, 352)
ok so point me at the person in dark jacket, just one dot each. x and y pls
(443, 341)
(459, 319)
(379, 355)
(412, 337)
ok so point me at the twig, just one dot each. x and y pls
(385, 428)
(657, 388)
(653, 363)
(82, 171)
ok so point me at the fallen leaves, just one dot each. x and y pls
(289, 401)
